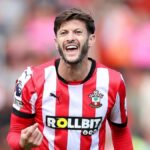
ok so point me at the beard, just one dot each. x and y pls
(84, 52)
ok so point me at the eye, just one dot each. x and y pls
(78, 32)
(63, 33)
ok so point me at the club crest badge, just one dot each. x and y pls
(96, 99)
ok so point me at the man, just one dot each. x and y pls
(64, 104)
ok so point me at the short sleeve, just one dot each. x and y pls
(118, 113)
(25, 95)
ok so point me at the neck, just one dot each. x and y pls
(74, 72)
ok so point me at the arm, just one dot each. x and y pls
(23, 132)
(117, 119)
(16, 125)
(121, 137)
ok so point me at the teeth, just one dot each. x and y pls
(71, 47)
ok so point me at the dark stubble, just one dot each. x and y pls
(84, 52)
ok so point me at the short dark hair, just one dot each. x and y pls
(74, 13)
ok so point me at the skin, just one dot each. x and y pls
(74, 66)
(31, 137)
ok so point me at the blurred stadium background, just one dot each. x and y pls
(123, 43)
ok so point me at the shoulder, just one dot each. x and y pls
(112, 72)
(42, 67)
(114, 76)
(35, 73)
(40, 72)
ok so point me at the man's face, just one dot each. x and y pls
(73, 41)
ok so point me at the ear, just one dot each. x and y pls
(91, 40)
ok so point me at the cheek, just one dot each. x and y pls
(59, 43)
(85, 42)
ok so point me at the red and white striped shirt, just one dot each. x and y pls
(71, 116)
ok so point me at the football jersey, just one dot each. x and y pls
(71, 115)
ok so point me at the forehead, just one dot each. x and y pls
(73, 24)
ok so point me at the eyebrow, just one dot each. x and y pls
(73, 29)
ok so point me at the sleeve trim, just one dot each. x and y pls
(22, 114)
(119, 125)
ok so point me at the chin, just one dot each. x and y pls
(75, 61)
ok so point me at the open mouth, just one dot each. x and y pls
(72, 50)
(71, 47)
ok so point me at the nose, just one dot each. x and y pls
(70, 37)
